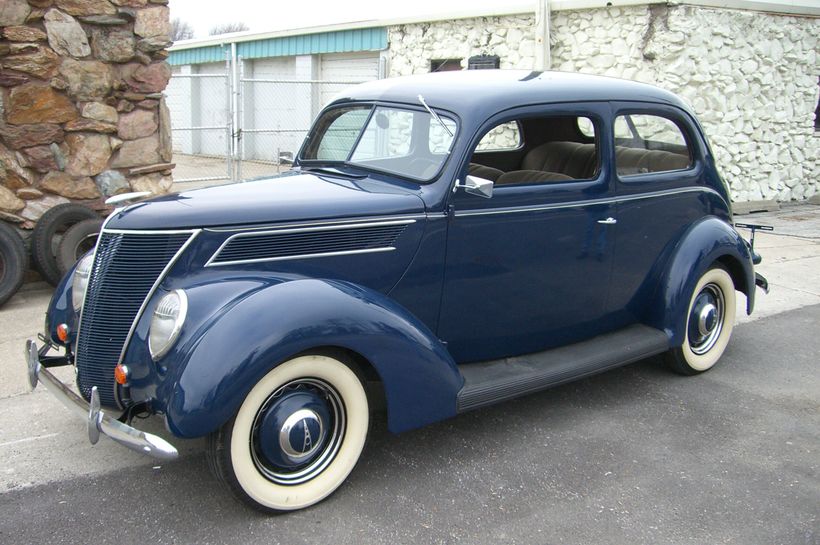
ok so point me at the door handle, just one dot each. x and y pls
(609, 221)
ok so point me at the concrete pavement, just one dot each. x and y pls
(41, 442)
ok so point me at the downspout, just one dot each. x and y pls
(543, 57)
(235, 132)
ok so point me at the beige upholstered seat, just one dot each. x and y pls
(573, 159)
(482, 171)
(530, 176)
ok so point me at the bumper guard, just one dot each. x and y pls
(98, 422)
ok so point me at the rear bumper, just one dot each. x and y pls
(98, 422)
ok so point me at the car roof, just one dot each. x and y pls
(483, 92)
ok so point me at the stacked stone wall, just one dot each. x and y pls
(82, 115)
(751, 77)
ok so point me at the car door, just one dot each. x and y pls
(529, 268)
(658, 167)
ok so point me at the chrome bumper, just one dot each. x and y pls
(98, 421)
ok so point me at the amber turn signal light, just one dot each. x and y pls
(121, 374)
(62, 332)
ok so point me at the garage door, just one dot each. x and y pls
(346, 67)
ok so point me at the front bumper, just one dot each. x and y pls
(98, 421)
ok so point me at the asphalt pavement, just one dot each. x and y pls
(635, 455)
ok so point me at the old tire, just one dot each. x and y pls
(296, 437)
(710, 319)
(13, 262)
(78, 240)
(48, 233)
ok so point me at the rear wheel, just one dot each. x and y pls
(296, 437)
(709, 323)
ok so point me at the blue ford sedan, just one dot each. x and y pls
(444, 242)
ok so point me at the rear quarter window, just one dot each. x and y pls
(647, 143)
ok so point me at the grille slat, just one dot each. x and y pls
(282, 245)
(125, 269)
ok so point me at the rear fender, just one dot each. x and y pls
(703, 244)
(226, 358)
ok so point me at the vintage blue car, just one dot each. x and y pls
(444, 242)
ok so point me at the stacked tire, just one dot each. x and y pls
(13, 261)
(62, 235)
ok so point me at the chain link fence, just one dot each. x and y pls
(200, 106)
(229, 128)
(275, 116)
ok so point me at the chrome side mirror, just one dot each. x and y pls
(474, 185)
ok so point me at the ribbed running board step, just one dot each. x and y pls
(489, 382)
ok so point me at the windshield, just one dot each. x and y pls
(409, 143)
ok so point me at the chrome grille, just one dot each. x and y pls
(126, 266)
(310, 242)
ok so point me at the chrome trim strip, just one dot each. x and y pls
(576, 204)
(97, 420)
(309, 229)
(160, 278)
(339, 222)
(302, 256)
(150, 232)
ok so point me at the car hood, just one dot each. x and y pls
(286, 198)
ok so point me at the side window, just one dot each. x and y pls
(586, 127)
(558, 149)
(503, 137)
(649, 143)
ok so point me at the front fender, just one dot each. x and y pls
(61, 310)
(705, 242)
(267, 326)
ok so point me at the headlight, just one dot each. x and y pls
(166, 323)
(80, 281)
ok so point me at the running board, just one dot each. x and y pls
(490, 382)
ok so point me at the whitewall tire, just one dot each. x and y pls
(710, 319)
(296, 437)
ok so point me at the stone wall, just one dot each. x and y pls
(752, 78)
(82, 115)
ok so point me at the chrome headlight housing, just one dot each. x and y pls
(166, 323)
(80, 281)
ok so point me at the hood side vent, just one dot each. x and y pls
(309, 242)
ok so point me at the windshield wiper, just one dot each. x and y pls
(435, 116)
(334, 172)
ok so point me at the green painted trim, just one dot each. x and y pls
(199, 55)
(342, 41)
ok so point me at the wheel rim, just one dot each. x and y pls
(85, 245)
(706, 319)
(297, 431)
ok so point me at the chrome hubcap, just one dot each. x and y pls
(301, 435)
(706, 319)
(298, 431)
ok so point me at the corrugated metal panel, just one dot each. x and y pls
(364, 39)
(199, 55)
(343, 41)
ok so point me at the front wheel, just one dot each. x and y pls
(296, 437)
(709, 323)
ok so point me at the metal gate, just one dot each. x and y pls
(229, 128)
(201, 126)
